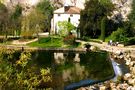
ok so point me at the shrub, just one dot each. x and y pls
(130, 41)
(119, 35)
(65, 28)
(70, 39)
(85, 38)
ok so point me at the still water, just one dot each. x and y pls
(70, 67)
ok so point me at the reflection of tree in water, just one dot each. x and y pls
(97, 64)
(69, 57)
(43, 58)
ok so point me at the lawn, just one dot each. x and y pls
(47, 42)
(52, 41)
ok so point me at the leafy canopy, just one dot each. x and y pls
(65, 27)
(92, 15)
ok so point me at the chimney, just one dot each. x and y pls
(66, 8)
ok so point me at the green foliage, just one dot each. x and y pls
(22, 74)
(69, 39)
(17, 13)
(119, 35)
(132, 14)
(32, 24)
(130, 41)
(10, 23)
(15, 22)
(46, 9)
(3, 19)
(38, 20)
(65, 28)
(103, 22)
(91, 16)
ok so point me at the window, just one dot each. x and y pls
(59, 15)
(71, 15)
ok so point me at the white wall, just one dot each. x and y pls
(64, 17)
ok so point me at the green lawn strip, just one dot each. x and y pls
(52, 42)
(47, 42)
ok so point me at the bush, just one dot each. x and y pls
(85, 38)
(130, 41)
(119, 35)
(70, 39)
(65, 28)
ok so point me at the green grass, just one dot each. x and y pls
(52, 41)
(47, 42)
(92, 40)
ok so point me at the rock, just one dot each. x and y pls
(133, 70)
(128, 56)
(125, 86)
(113, 86)
(121, 56)
(113, 89)
(82, 89)
(120, 45)
(131, 81)
(130, 88)
(91, 88)
(131, 64)
(127, 63)
(102, 88)
(94, 48)
(127, 76)
(118, 52)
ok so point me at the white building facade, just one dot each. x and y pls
(64, 14)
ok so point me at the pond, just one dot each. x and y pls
(69, 68)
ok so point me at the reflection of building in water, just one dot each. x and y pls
(77, 70)
(77, 58)
(59, 58)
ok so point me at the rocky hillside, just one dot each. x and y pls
(60, 3)
(123, 7)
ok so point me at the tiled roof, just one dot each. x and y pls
(68, 10)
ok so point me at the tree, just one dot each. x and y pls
(131, 17)
(4, 19)
(47, 10)
(32, 24)
(103, 27)
(65, 28)
(92, 15)
(16, 20)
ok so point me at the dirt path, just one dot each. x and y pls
(17, 42)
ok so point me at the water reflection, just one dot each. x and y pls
(70, 67)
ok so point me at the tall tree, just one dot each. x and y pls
(46, 9)
(103, 27)
(132, 14)
(92, 15)
(4, 19)
(32, 24)
(16, 20)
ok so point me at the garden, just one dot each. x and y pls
(38, 69)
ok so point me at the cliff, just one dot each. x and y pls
(123, 7)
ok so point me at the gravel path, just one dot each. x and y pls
(114, 49)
